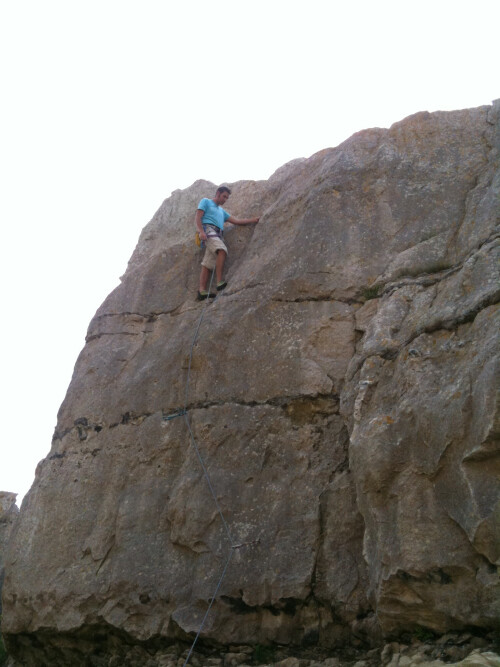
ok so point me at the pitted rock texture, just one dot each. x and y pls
(343, 391)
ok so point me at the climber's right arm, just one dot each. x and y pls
(199, 226)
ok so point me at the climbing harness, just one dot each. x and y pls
(213, 230)
(210, 231)
(184, 413)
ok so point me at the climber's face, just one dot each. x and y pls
(221, 198)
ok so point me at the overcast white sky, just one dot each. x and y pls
(107, 106)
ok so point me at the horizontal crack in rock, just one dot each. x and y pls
(83, 425)
(329, 299)
(429, 279)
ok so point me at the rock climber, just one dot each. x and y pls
(210, 219)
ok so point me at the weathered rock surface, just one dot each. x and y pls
(343, 392)
(8, 514)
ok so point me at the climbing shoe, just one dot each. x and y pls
(205, 295)
(221, 285)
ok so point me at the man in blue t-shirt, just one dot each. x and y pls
(210, 219)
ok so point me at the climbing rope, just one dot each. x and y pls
(184, 413)
(202, 625)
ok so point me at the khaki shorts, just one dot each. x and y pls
(213, 244)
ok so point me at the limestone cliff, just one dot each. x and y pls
(343, 392)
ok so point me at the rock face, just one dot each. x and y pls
(342, 393)
(8, 514)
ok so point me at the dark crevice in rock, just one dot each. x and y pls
(88, 339)
(320, 538)
(422, 280)
(249, 286)
(295, 406)
(277, 401)
(90, 645)
(132, 418)
(450, 324)
(312, 299)
(56, 456)
(464, 318)
(481, 453)
(83, 427)
(428, 279)
(105, 557)
(287, 606)
(147, 317)
(344, 443)
(435, 576)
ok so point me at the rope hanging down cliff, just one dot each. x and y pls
(184, 413)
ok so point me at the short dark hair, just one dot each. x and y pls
(223, 188)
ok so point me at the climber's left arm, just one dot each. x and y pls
(244, 221)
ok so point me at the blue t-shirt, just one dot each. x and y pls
(213, 214)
